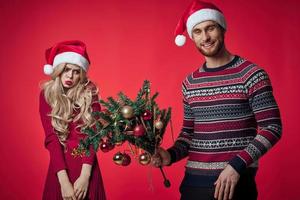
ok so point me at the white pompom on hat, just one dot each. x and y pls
(72, 51)
(197, 12)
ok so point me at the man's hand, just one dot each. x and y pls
(226, 183)
(161, 158)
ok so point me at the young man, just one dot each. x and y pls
(230, 115)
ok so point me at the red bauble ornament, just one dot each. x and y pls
(111, 146)
(126, 159)
(139, 131)
(106, 146)
(147, 115)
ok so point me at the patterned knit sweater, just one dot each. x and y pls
(230, 117)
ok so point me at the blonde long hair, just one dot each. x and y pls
(78, 98)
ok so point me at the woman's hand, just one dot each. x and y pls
(82, 183)
(67, 191)
(81, 186)
(66, 187)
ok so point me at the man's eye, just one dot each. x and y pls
(197, 31)
(211, 28)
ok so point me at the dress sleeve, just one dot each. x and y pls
(267, 116)
(57, 159)
(91, 158)
(182, 144)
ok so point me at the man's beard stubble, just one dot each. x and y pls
(215, 52)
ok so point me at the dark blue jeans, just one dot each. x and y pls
(244, 190)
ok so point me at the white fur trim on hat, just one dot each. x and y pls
(48, 69)
(204, 15)
(180, 40)
(72, 58)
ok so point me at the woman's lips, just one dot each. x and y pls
(68, 82)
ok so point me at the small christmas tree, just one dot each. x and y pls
(140, 122)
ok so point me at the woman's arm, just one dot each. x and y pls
(57, 160)
(66, 187)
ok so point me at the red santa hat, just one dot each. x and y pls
(73, 52)
(196, 13)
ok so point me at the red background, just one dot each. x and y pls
(129, 41)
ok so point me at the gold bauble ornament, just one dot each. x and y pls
(127, 112)
(118, 158)
(159, 125)
(144, 159)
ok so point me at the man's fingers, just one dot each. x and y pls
(156, 161)
(232, 187)
(227, 190)
(221, 191)
(217, 188)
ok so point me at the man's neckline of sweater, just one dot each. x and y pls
(216, 69)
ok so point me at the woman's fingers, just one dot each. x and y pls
(84, 194)
(80, 196)
(76, 191)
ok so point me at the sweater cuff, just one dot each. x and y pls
(173, 156)
(238, 164)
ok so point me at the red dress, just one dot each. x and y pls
(60, 159)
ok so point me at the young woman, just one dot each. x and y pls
(66, 105)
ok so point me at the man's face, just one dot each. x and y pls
(209, 38)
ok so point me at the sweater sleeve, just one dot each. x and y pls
(91, 158)
(181, 146)
(57, 159)
(267, 116)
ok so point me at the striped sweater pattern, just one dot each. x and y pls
(230, 117)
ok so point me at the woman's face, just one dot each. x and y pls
(70, 76)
